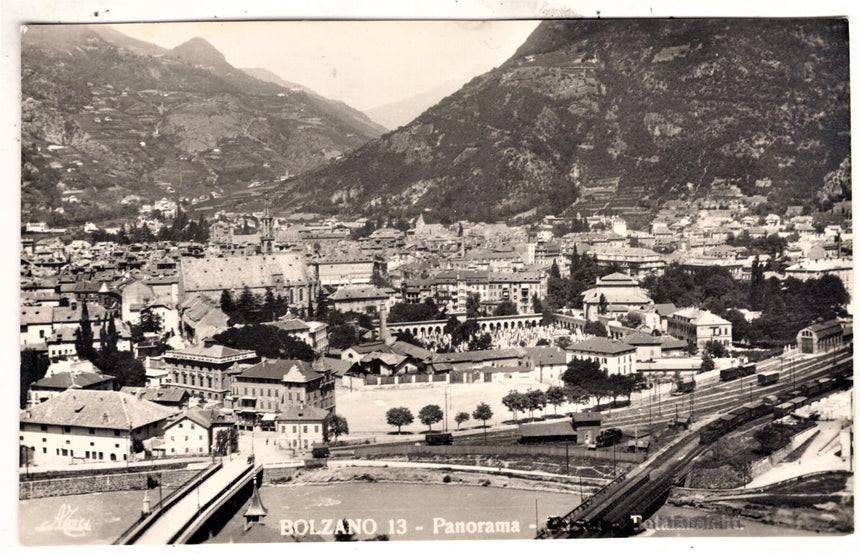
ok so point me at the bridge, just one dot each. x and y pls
(615, 509)
(192, 512)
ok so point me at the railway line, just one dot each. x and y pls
(613, 510)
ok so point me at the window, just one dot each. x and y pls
(67, 429)
(92, 444)
(65, 452)
(44, 440)
(92, 431)
(44, 450)
(294, 429)
(180, 426)
(116, 432)
(101, 455)
(304, 428)
(316, 428)
(43, 427)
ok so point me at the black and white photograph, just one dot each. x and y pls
(567, 276)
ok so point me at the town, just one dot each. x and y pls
(365, 280)
(297, 338)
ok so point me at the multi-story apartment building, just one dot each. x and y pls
(452, 288)
(204, 369)
(270, 387)
(698, 327)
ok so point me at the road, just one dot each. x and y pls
(174, 519)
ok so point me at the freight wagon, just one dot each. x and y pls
(765, 379)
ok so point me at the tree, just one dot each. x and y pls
(576, 394)
(126, 370)
(506, 307)
(270, 305)
(554, 271)
(515, 402)
(398, 417)
(602, 304)
(267, 341)
(595, 328)
(483, 412)
(535, 400)
(334, 425)
(555, 397)
(227, 441)
(716, 349)
(461, 417)
(562, 342)
(537, 305)
(707, 362)
(84, 336)
(228, 306)
(473, 305)
(430, 414)
(482, 341)
(34, 366)
(150, 321)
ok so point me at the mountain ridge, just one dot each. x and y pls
(613, 111)
(113, 118)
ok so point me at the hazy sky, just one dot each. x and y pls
(364, 63)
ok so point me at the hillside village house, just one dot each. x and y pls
(270, 387)
(613, 356)
(360, 298)
(336, 271)
(50, 386)
(194, 432)
(89, 426)
(300, 427)
(698, 327)
(204, 369)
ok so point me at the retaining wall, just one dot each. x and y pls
(85, 484)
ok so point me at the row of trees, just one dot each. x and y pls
(786, 305)
(254, 308)
(123, 366)
(432, 413)
(267, 341)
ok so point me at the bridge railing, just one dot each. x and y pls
(130, 535)
(204, 512)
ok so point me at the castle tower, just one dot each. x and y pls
(267, 231)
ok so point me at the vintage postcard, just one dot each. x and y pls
(348, 281)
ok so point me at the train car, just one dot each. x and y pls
(742, 415)
(785, 396)
(810, 389)
(608, 437)
(765, 379)
(771, 400)
(433, 439)
(729, 374)
(782, 410)
(757, 409)
(746, 370)
(799, 401)
(684, 387)
(710, 433)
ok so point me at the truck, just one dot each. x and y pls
(435, 439)
(765, 379)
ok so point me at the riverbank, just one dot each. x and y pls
(821, 503)
(441, 475)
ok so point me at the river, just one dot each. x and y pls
(404, 511)
(97, 518)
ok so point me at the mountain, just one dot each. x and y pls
(401, 112)
(341, 108)
(621, 114)
(106, 116)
